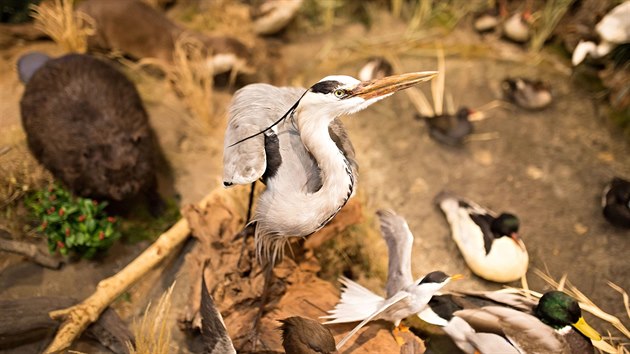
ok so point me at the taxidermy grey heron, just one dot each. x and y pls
(291, 139)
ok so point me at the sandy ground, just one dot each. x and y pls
(548, 167)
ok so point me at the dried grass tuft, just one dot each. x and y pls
(66, 27)
(551, 16)
(153, 334)
(610, 344)
(19, 171)
(191, 75)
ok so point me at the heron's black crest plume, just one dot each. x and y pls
(292, 109)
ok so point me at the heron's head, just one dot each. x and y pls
(338, 95)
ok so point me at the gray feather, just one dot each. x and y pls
(399, 241)
(471, 342)
(528, 332)
(214, 334)
(253, 109)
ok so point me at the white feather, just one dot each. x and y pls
(356, 303)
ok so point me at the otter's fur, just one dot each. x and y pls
(140, 31)
(85, 122)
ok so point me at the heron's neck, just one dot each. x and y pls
(336, 174)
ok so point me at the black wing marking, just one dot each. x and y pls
(484, 221)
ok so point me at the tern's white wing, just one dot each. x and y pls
(399, 241)
(387, 304)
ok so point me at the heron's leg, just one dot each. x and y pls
(264, 298)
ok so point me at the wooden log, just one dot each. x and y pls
(29, 250)
(30, 322)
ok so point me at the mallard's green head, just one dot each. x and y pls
(559, 310)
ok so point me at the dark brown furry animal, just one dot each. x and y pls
(85, 122)
(140, 31)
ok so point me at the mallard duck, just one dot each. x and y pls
(405, 297)
(612, 30)
(375, 68)
(528, 94)
(616, 202)
(554, 324)
(488, 242)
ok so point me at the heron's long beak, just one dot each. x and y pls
(390, 84)
(586, 329)
(458, 277)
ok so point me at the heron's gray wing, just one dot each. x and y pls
(399, 241)
(339, 135)
(253, 109)
(387, 304)
(214, 334)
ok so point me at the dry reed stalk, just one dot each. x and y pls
(437, 85)
(396, 6)
(66, 27)
(551, 16)
(421, 14)
(153, 334)
(191, 75)
(418, 99)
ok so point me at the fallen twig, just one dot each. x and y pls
(77, 318)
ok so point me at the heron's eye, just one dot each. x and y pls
(339, 93)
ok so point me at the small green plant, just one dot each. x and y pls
(74, 224)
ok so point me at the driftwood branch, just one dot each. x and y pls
(30, 322)
(77, 318)
(30, 251)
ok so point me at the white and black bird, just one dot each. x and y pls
(616, 202)
(612, 30)
(405, 296)
(488, 242)
(526, 93)
(291, 139)
(507, 322)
